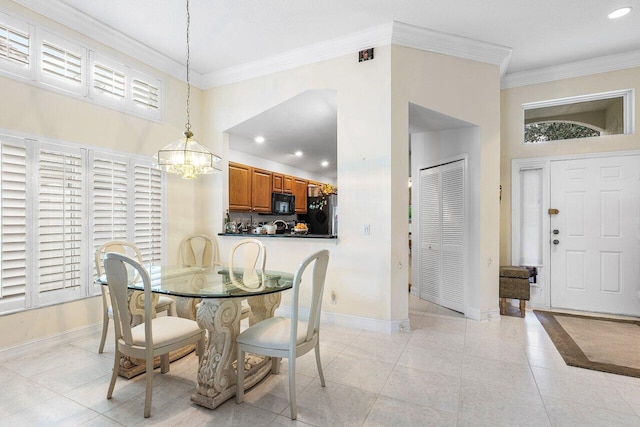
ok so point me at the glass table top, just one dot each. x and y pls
(211, 282)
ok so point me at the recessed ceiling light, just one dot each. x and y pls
(619, 13)
(324, 163)
(259, 139)
(298, 153)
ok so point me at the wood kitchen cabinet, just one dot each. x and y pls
(249, 189)
(288, 184)
(278, 182)
(300, 191)
(240, 187)
(261, 188)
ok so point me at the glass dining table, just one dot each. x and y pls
(212, 296)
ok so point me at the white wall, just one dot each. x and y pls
(430, 149)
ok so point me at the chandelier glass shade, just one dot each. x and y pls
(186, 156)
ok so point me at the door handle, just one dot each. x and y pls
(556, 231)
(556, 241)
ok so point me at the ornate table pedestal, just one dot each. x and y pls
(217, 371)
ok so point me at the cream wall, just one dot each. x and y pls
(511, 130)
(468, 91)
(369, 274)
(28, 110)
(360, 267)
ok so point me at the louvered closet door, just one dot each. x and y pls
(442, 235)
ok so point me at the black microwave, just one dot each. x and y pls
(283, 204)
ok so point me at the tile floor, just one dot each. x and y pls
(446, 371)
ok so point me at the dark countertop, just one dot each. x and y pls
(285, 235)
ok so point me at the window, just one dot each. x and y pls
(585, 116)
(59, 64)
(62, 64)
(78, 198)
(15, 46)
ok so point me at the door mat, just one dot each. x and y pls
(597, 343)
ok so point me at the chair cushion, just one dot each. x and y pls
(166, 330)
(164, 303)
(272, 333)
(513, 271)
(511, 287)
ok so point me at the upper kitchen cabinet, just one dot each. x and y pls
(249, 189)
(288, 184)
(239, 187)
(261, 187)
(278, 182)
(300, 191)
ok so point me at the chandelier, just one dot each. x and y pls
(186, 156)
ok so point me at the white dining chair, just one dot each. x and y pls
(157, 336)
(290, 338)
(199, 250)
(165, 303)
(247, 254)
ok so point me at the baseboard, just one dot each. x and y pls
(49, 342)
(347, 321)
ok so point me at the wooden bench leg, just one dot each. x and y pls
(503, 306)
(523, 304)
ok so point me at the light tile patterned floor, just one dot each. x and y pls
(447, 371)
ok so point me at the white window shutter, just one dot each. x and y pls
(14, 45)
(146, 95)
(13, 250)
(61, 223)
(108, 198)
(148, 209)
(62, 64)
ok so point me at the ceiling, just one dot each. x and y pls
(228, 33)
(307, 122)
(228, 36)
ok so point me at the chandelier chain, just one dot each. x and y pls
(188, 124)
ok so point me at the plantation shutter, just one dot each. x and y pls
(62, 64)
(148, 213)
(108, 81)
(109, 198)
(145, 94)
(14, 45)
(60, 221)
(13, 255)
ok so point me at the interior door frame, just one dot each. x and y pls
(545, 164)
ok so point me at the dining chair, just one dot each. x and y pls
(157, 336)
(165, 303)
(280, 337)
(199, 250)
(247, 254)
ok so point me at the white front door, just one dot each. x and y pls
(442, 235)
(595, 237)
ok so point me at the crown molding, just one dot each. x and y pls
(598, 65)
(449, 44)
(354, 42)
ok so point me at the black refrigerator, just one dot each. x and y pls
(322, 214)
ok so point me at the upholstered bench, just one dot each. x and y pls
(514, 284)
